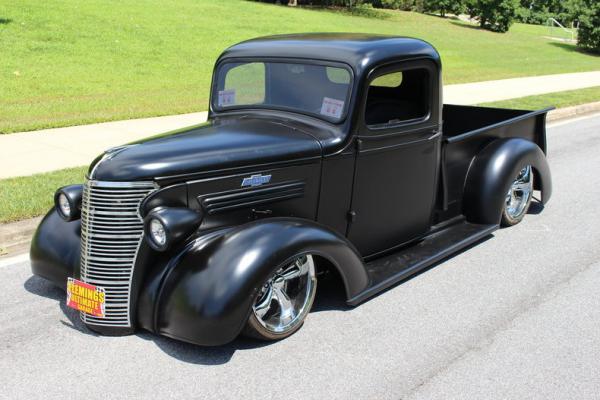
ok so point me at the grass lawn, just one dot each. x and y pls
(67, 62)
(30, 196)
(558, 100)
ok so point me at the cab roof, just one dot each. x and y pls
(360, 51)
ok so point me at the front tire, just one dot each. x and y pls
(284, 301)
(518, 198)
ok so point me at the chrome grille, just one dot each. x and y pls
(111, 233)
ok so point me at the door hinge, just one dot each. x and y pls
(351, 216)
(358, 144)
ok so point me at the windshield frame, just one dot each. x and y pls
(284, 60)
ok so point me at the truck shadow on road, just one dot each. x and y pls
(535, 208)
(44, 288)
(201, 355)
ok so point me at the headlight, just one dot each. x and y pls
(165, 226)
(157, 233)
(68, 202)
(63, 205)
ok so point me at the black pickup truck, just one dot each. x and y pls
(323, 154)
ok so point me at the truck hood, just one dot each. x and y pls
(215, 145)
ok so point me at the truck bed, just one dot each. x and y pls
(462, 122)
(466, 131)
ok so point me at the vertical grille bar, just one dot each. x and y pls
(111, 233)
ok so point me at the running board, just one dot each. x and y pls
(389, 270)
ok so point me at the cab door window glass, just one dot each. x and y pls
(397, 97)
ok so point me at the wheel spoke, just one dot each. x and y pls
(523, 186)
(297, 269)
(264, 303)
(285, 304)
(290, 273)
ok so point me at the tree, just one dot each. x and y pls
(588, 37)
(495, 15)
(538, 11)
(444, 6)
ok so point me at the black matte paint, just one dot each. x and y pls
(492, 173)
(55, 249)
(170, 196)
(399, 197)
(216, 145)
(208, 287)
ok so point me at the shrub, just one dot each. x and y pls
(367, 10)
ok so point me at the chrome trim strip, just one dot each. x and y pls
(112, 185)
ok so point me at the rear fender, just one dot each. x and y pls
(492, 172)
(206, 291)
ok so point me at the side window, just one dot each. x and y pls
(397, 97)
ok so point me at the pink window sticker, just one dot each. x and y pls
(226, 97)
(332, 107)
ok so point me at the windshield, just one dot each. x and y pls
(321, 90)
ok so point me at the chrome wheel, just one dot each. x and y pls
(519, 194)
(286, 298)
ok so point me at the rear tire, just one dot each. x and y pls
(284, 301)
(518, 198)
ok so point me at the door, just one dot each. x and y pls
(397, 160)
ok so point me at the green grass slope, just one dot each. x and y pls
(66, 62)
(559, 99)
(30, 196)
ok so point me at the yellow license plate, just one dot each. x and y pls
(85, 297)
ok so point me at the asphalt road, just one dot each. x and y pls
(517, 316)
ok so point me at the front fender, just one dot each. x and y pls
(206, 291)
(492, 172)
(55, 249)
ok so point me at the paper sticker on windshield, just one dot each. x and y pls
(226, 97)
(332, 107)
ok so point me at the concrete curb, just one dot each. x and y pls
(574, 111)
(15, 237)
